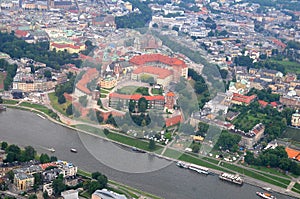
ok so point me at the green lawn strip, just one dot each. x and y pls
(11, 102)
(59, 107)
(266, 170)
(172, 153)
(297, 186)
(122, 191)
(102, 95)
(85, 194)
(141, 144)
(211, 160)
(189, 158)
(295, 190)
(102, 91)
(84, 173)
(133, 190)
(292, 133)
(252, 174)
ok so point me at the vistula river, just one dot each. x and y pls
(26, 128)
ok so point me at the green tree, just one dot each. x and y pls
(61, 99)
(45, 195)
(58, 185)
(53, 159)
(1, 100)
(106, 131)
(48, 74)
(29, 153)
(151, 145)
(142, 105)
(11, 176)
(195, 148)
(69, 110)
(44, 158)
(4, 145)
(32, 196)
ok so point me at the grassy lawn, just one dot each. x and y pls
(102, 91)
(296, 188)
(289, 66)
(38, 107)
(214, 161)
(248, 121)
(102, 95)
(172, 153)
(292, 133)
(35, 106)
(255, 175)
(59, 107)
(156, 91)
(141, 144)
(266, 170)
(12, 102)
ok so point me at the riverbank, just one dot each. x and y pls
(170, 159)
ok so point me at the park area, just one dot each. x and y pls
(292, 133)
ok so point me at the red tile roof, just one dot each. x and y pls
(243, 98)
(170, 94)
(58, 46)
(263, 103)
(160, 72)
(45, 165)
(274, 104)
(292, 153)
(278, 43)
(173, 120)
(21, 33)
(142, 59)
(136, 97)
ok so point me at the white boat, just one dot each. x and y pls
(73, 150)
(182, 165)
(52, 150)
(198, 169)
(231, 178)
(265, 195)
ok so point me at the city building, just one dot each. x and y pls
(242, 99)
(176, 65)
(105, 194)
(23, 181)
(250, 138)
(117, 100)
(296, 119)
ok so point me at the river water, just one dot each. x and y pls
(26, 128)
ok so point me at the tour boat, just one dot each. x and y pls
(265, 195)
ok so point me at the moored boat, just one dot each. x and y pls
(182, 165)
(265, 195)
(199, 169)
(73, 150)
(231, 178)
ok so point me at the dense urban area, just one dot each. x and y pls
(210, 84)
